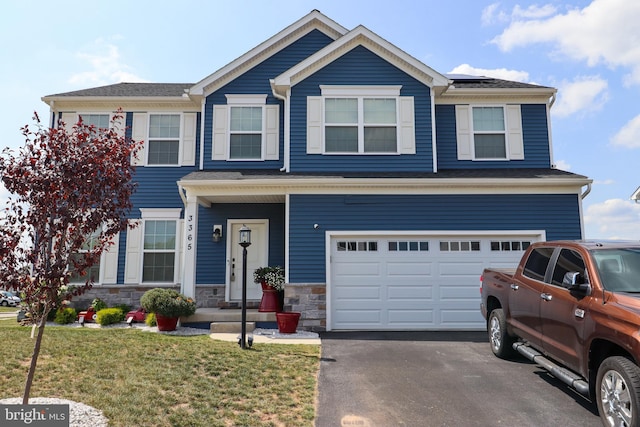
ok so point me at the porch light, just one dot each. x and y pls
(217, 233)
(245, 236)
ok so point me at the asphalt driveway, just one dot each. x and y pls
(437, 379)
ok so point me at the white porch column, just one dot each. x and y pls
(190, 237)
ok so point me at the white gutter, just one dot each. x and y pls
(586, 192)
(287, 124)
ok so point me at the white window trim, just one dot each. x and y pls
(161, 215)
(514, 138)
(148, 139)
(361, 93)
(240, 100)
(503, 132)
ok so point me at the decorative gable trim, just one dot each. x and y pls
(360, 36)
(313, 21)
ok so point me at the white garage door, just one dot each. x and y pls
(407, 282)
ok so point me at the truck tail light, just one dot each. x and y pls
(481, 281)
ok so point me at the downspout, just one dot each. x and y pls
(433, 131)
(552, 100)
(287, 124)
(586, 192)
(204, 101)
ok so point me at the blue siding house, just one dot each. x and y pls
(382, 186)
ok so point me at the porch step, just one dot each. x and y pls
(230, 327)
(229, 320)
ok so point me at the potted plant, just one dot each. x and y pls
(168, 305)
(271, 278)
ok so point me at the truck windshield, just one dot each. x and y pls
(619, 269)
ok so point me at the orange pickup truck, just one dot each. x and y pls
(573, 307)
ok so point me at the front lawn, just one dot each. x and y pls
(149, 379)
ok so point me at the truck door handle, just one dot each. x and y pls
(514, 287)
(546, 297)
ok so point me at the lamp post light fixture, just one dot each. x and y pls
(245, 241)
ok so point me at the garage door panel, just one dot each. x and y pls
(416, 268)
(358, 269)
(459, 293)
(459, 318)
(410, 317)
(355, 293)
(453, 268)
(403, 292)
(359, 317)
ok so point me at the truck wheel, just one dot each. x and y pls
(499, 338)
(618, 392)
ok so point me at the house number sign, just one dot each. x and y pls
(189, 232)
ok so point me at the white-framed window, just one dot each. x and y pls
(169, 138)
(360, 120)
(164, 139)
(92, 272)
(99, 120)
(159, 251)
(489, 132)
(246, 129)
(153, 247)
(360, 125)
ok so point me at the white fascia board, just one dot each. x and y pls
(313, 20)
(365, 37)
(522, 95)
(74, 103)
(636, 195)
(382, 186)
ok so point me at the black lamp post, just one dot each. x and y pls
(245, 241)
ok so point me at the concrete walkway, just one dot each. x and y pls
(268, 336)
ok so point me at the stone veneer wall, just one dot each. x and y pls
(311, 301)
(209, 296)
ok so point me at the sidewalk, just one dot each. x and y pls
(272, 336)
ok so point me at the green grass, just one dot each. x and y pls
(8, 309)
(148, 379)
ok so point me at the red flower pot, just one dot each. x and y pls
(287, 322)
(270, 299)
(166, 323)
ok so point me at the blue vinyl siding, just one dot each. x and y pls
(211, 257)
(256, 81)
(535, 137)
(361, 67)
(558, 214)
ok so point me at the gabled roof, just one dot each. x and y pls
(360, 36)
(313, 21)
(636, 195)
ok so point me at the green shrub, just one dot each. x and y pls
(167, 302)
(98, 304)
(124, 307)
(65, 315)
(108, 316)
(150, 320)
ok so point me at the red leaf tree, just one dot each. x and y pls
(66, 186)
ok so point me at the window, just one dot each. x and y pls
(489, 132)
(460, 246)
(361, 125)
(245, 133)
(100, 121)
(568, 261)
(92, 272)
(357, 246)
(536, 265)
(489, 136)
(159, 251)
(408, 246)
(164, 139)
(508, 246)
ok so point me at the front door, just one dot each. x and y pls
(257, 256)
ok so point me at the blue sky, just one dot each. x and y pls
(588, 50)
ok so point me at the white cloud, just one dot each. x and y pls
(498, 73)
(563, 165)
(604, 32)
(106, 66)
(534, 11)
(629, 135)
(613, 219)
(492, 14)
(584, 94)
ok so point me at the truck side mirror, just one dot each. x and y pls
(575, 282)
